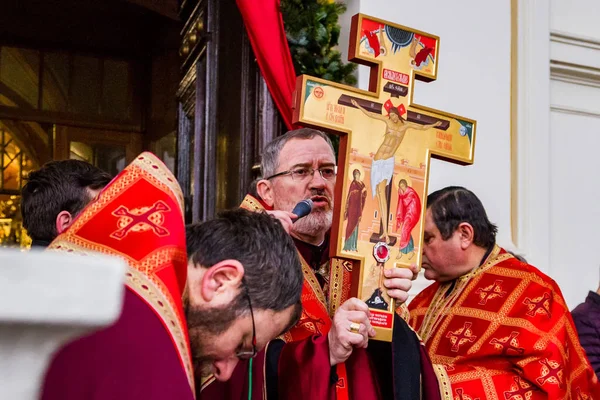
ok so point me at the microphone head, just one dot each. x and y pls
(303, 208)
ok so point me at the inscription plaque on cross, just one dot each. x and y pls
(384, 156)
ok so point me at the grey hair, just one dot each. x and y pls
(270, 155)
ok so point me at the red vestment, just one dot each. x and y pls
(146, 353)
(407, 214)
(503, 331)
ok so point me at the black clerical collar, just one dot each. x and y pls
(487, 254)
(314, 255)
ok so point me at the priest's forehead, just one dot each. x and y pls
(272, 151)
(307, 153)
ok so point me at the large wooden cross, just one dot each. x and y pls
(385, 148)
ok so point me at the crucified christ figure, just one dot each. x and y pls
(382, 168)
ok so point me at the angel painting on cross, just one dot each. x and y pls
(418, 52)
(408, 213)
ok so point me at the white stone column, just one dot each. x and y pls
(46, 300)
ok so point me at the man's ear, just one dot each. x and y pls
(264, 188)
(64, 219)
(220, 283)
(466, 234)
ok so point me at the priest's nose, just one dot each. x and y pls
(224, 368)
(317, 180)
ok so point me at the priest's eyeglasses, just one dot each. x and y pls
(303, 173)
(245, 354)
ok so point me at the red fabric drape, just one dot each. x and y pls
(264, 24)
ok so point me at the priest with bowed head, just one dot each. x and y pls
(244, 284)
(202, 298)
(494, 326)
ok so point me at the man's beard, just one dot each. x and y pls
(205, 323)
(315, 223)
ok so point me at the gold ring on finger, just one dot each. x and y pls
(354, 327)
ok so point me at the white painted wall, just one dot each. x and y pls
(576, 17)
(574, 146)
(559, 122)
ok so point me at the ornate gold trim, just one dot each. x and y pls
(149, 291)
(443, 382)
(149, 163)
(164, 306)
(441, 303)
(310, 277)
(206, 380)
(336, 283)
(514, 121)
(251, 204)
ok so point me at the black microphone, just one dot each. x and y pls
(303, 208)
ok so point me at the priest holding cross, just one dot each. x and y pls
(324, 355)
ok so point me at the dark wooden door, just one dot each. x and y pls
(226, 114)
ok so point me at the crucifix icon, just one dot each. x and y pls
(385, 147)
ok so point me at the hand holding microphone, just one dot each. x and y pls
(287, 219)
(303, 208)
